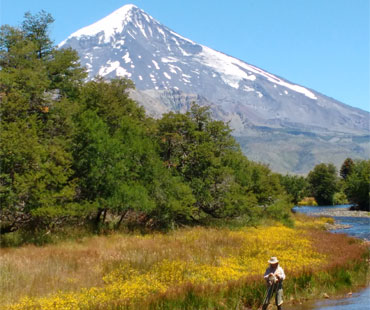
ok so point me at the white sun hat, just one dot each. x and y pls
(273, 260)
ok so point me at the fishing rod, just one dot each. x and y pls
(272, 281)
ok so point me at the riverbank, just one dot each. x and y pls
(193, 268)
(353, 223)
(332, 211)
(339, 212)
(353, 300)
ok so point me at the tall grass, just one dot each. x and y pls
(203, 268)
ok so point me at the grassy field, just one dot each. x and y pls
(194, 268)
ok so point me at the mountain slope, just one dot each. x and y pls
(170, 72)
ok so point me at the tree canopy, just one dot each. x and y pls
(323, 183)
(76, 149)
(357, 184)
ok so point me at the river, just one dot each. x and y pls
(355, 224)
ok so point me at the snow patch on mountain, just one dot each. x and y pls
(114, 66)
(126, 57)
(156, 64)
(232, 72)
(167, 75)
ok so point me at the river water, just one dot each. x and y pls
(355, 226)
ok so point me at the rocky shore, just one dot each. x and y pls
(339, 212)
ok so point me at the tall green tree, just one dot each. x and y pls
(35, 158)
(357, 184)
(203, 152)
(23, 76)
(111, 101)
(194, 147)
(117, 162)
(323, 183)
(36, 29)
(346, 168)
(102, 166)
(35, 175)
(296, 186)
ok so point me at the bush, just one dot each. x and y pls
(357, 185)
(281, 211)
(323, 182)
(308, 201)
(340, 198)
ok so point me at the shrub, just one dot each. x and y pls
(308, 201)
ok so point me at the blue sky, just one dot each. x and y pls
(320, 44)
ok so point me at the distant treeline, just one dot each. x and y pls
(83, 152)
(351, 186)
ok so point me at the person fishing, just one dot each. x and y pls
(274, 276)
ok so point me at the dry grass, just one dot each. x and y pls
(38, 271)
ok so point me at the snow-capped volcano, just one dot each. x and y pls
(130, 21)
(168, 69)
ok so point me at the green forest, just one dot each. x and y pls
(82, 153)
